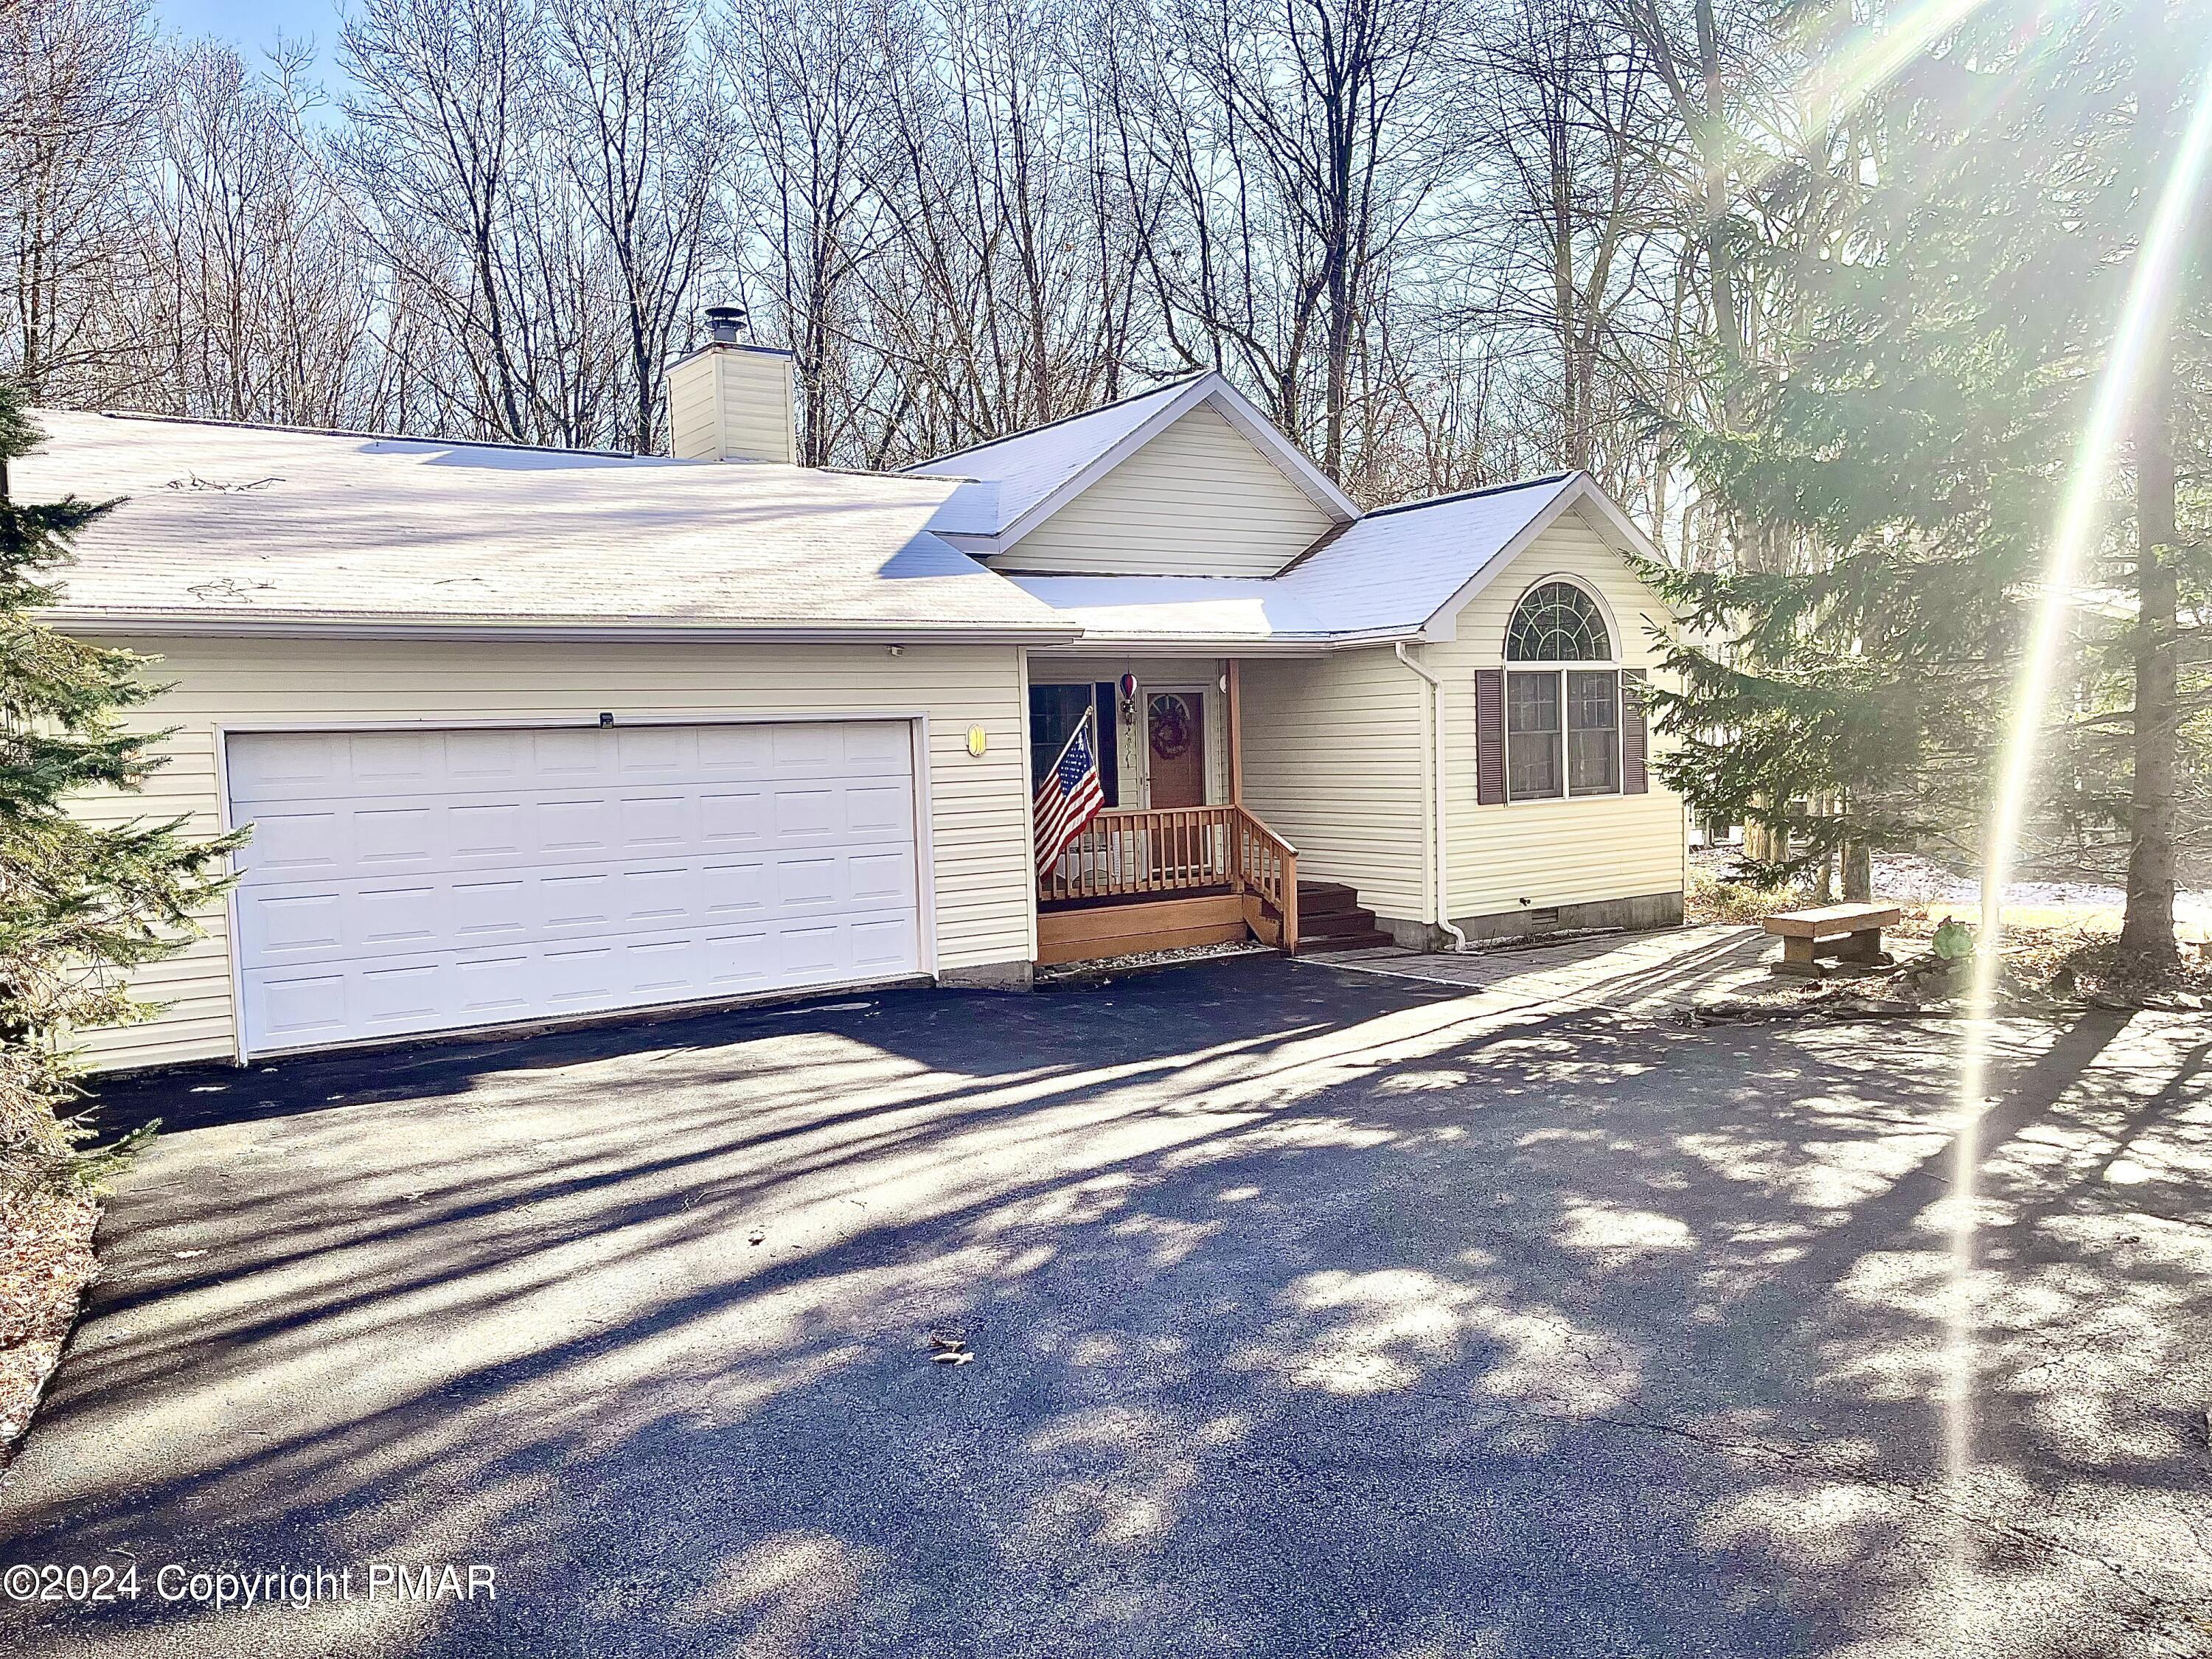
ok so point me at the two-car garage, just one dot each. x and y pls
(401, 881)
(525, 735)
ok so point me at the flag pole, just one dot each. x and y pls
(1089, 715)
(1090, 718)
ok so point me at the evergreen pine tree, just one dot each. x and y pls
(80, 902)
(1911, 424)
(1849, 701)
(2168, 758)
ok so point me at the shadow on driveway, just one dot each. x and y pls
(1312, 1311)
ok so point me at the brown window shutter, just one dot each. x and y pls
(1635, 737)
(1490, 737)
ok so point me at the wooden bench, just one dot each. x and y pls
(1849, 933)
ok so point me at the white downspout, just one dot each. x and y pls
(1440, 887)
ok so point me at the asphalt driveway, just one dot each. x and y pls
(1311, 1312)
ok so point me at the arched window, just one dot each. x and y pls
(1562, 725)
(1557, 622)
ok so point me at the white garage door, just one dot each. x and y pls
(422, 881)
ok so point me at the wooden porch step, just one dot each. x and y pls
(1314, 944)
(1325, 898)
(1331, 918)
(1334, 924)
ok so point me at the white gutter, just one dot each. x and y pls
(1440, 886)
(1092, 642)
(308, 625)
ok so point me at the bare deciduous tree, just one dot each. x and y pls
(445, 147)
(808, 76)
(1300, 145)
(253, 303)
(77, 103)
(646, 127)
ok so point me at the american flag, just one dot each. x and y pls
(1069, 798)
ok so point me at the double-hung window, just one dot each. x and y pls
(1055, 712)
(1562, 723)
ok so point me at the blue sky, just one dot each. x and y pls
(252, 24)
(252, 27)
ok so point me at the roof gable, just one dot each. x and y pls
(1195, 499)
(1026, 467)
(1399, 567)
(1401, 572)
(1582, 495)
(1032, 475)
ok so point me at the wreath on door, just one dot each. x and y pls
(1170, 723)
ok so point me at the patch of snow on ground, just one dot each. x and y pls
(1916, 879)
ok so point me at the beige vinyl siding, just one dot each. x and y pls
(1197, 500)
(193, 986)
(1334, 762)
(1554, 852)
(756, 405)
(732, 403)
(978, 808)
(693, 431)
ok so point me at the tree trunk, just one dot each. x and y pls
(1762, 843)
(1858, 871)
(2147, 939)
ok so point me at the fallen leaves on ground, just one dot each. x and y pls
(45, 1265)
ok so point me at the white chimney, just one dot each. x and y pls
(731, 401)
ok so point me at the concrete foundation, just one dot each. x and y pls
(1650, 910)
(990, 976)
(1414, 935)
(1647, 910)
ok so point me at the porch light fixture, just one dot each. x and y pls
(978, 741)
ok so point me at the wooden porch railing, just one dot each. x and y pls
(1268, 874)
(1167, 851)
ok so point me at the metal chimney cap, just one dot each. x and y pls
(728, 324)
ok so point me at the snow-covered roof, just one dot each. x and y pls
(1181, 609)
(1399, 572)
(283, 530)
(1023, 469)
(1399, 565)
(239, 528)
(1019, 481)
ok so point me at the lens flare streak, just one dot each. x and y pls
(2140, 331)
(1848, 77)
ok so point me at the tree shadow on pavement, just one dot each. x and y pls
(1309, 1312)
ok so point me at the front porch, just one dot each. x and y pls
(1177, 859)
(1165, 878)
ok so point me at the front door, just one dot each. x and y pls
(1175, 731)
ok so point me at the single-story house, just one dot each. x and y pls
(528, 734)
